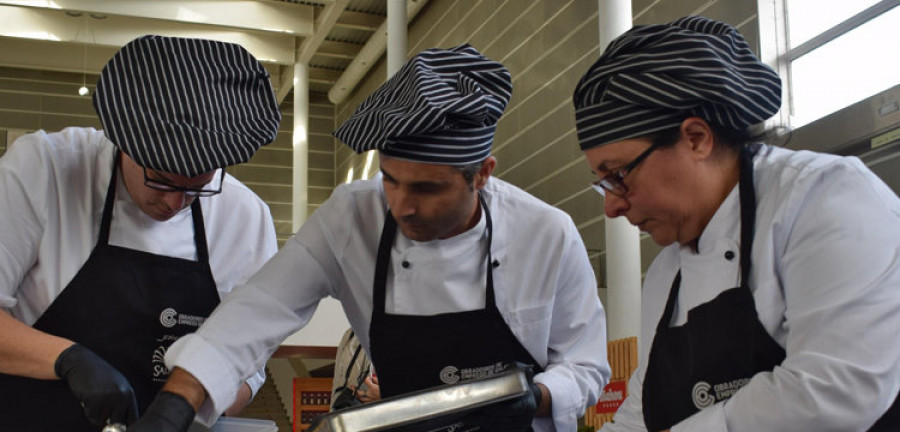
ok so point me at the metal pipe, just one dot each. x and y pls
(623, 247)
(300, 198)
(368, 56)
(396, 36)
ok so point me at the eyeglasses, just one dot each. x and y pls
(162, 186)
(613, 182)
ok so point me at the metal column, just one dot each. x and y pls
(396, 36)
(623, 248)
(300, 198)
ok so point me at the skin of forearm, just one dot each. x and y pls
(241, 401)
(27, 352)
(181, 382)
(543, 409)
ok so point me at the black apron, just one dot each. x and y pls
(413, 352)
(128, 307)
(721, 346)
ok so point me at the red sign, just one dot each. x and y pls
(612, 397)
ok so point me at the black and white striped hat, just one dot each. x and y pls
(441, 107)
(654, 76)
(186, 106)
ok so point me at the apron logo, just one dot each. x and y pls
(701, 396)
(450, 375)
(168, 317)
(160, 371)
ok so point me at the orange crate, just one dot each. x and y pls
(312, 398)
(623, 360)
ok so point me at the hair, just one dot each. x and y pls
(468, 172)
(731, 138)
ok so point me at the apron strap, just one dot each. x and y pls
(108, 204)
(384, 256)
(670, 304)
(103, 237)
(748, 209)
(490, 299)
(382, 261)
(199, 232)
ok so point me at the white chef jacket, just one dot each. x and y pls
(825, 277)
(52, 190)
(545, 290)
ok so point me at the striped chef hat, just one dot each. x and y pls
(654, 76)
(442, 107)
(186, 106)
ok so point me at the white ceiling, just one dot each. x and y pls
(339, 39)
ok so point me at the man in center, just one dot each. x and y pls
(444, 272)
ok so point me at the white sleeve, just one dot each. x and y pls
(21, 171)
(266, 246)
(256, 317)
(838, 263)
(256, 381)
(577, 367)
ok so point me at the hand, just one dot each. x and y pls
(169, 412)
(515, 415)
(372, 391)
(102, 390)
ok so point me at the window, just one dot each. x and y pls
(830, 53)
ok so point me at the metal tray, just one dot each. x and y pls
(236, 424)
(446, 403)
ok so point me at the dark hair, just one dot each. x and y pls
(468, 171)
(731, 138)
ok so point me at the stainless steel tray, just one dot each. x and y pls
(446, 401)
(236, 424)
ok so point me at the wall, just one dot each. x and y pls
(547, 45)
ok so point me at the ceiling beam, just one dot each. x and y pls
(371, 52)
(360, 21)
(115, 31)
(310, 44)
(59, 57)
(324, 24)
(323, 75)
(271, 16)
(339, 50)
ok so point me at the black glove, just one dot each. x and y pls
(169, 412)
(102, 390)
(514, 415)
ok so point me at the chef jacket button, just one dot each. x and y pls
(405, 264)
(495, 264)
(729, 255)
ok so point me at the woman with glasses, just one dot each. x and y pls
(115, 243)
(775, 303)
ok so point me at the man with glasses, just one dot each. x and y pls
(775, 303)
(115, 243)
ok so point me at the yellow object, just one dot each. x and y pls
(623, 360)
